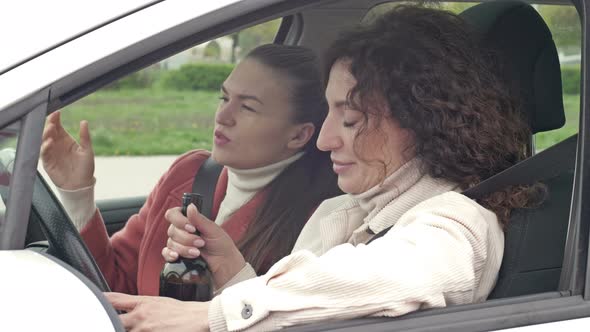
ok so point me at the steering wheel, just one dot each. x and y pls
(64, 240)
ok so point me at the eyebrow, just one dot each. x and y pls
(341, 104)
(242, 96)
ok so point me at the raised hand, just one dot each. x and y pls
(69, 164)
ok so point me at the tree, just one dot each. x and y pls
(252, 37)
(564, 23)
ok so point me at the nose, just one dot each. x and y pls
(225, 114)
(329, 138)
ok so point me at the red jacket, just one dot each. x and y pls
(131, 259)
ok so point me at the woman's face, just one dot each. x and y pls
(382, 141)
(253, 122)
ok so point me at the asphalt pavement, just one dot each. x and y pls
(118, 177)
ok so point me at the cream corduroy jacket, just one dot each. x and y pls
(443, 249)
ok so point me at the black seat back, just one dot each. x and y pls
(517, 33)
(535, 243)
(535, 238)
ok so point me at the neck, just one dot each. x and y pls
(255, 179)
(243, 184)
(372, 200)
(408, 185)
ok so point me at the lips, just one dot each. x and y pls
(220, 139)
(340, 167)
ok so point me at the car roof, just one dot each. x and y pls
(64, 58)
(43, 25)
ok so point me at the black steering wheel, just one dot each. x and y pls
(64, 240)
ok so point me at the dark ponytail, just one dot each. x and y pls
(302, 186)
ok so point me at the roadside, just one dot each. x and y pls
(118, 177)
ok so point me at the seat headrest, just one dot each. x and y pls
(516, 31)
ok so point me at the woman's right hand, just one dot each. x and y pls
(223, 257)
(69, 165)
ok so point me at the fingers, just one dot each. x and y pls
(122, 301)
(206, 227)
(85, 140)
(184, 237)
(182, 250)
(49, 131)
(54, 119)
(129, 320)
(46, 148)
(169, 255)
(175, 217)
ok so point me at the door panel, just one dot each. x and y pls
(116, 212)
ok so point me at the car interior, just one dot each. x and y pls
(535, 238)
(540, 243)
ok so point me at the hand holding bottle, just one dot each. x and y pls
(213, 244)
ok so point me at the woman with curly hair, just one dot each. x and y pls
(417, 115)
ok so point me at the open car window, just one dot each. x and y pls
(142, 122)
(564, 301)
(565, 26)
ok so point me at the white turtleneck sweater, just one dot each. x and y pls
(443, 249)
(242, 185)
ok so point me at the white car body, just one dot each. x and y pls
(28, 304)
(38, 293)
(95, 45)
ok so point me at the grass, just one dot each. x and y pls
(572, 113)
(145, 122)
(164, 122)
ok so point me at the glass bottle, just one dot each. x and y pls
(187, 279)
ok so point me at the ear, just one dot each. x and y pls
(301, 134)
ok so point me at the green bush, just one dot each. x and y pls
(143, 79)
(198, 76)
(570, 76)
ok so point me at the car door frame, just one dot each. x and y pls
(570, 303)
(31, 112)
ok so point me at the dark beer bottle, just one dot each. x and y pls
(187, 279)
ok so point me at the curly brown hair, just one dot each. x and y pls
(441, 85)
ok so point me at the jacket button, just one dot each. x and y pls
(247, 311)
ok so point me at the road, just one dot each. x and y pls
(128, 176)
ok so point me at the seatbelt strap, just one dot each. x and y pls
(549, 163)
(544, 165)
(205, 183)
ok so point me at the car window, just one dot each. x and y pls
(565, 26)
(141, 123)
(564, 23)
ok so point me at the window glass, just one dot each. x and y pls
(142, 122)
(564, 23)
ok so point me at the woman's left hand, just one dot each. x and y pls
(152, 313)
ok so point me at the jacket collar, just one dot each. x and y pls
(398, 193)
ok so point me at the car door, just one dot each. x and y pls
(314, 23)
(565, 307)
(141, 123)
